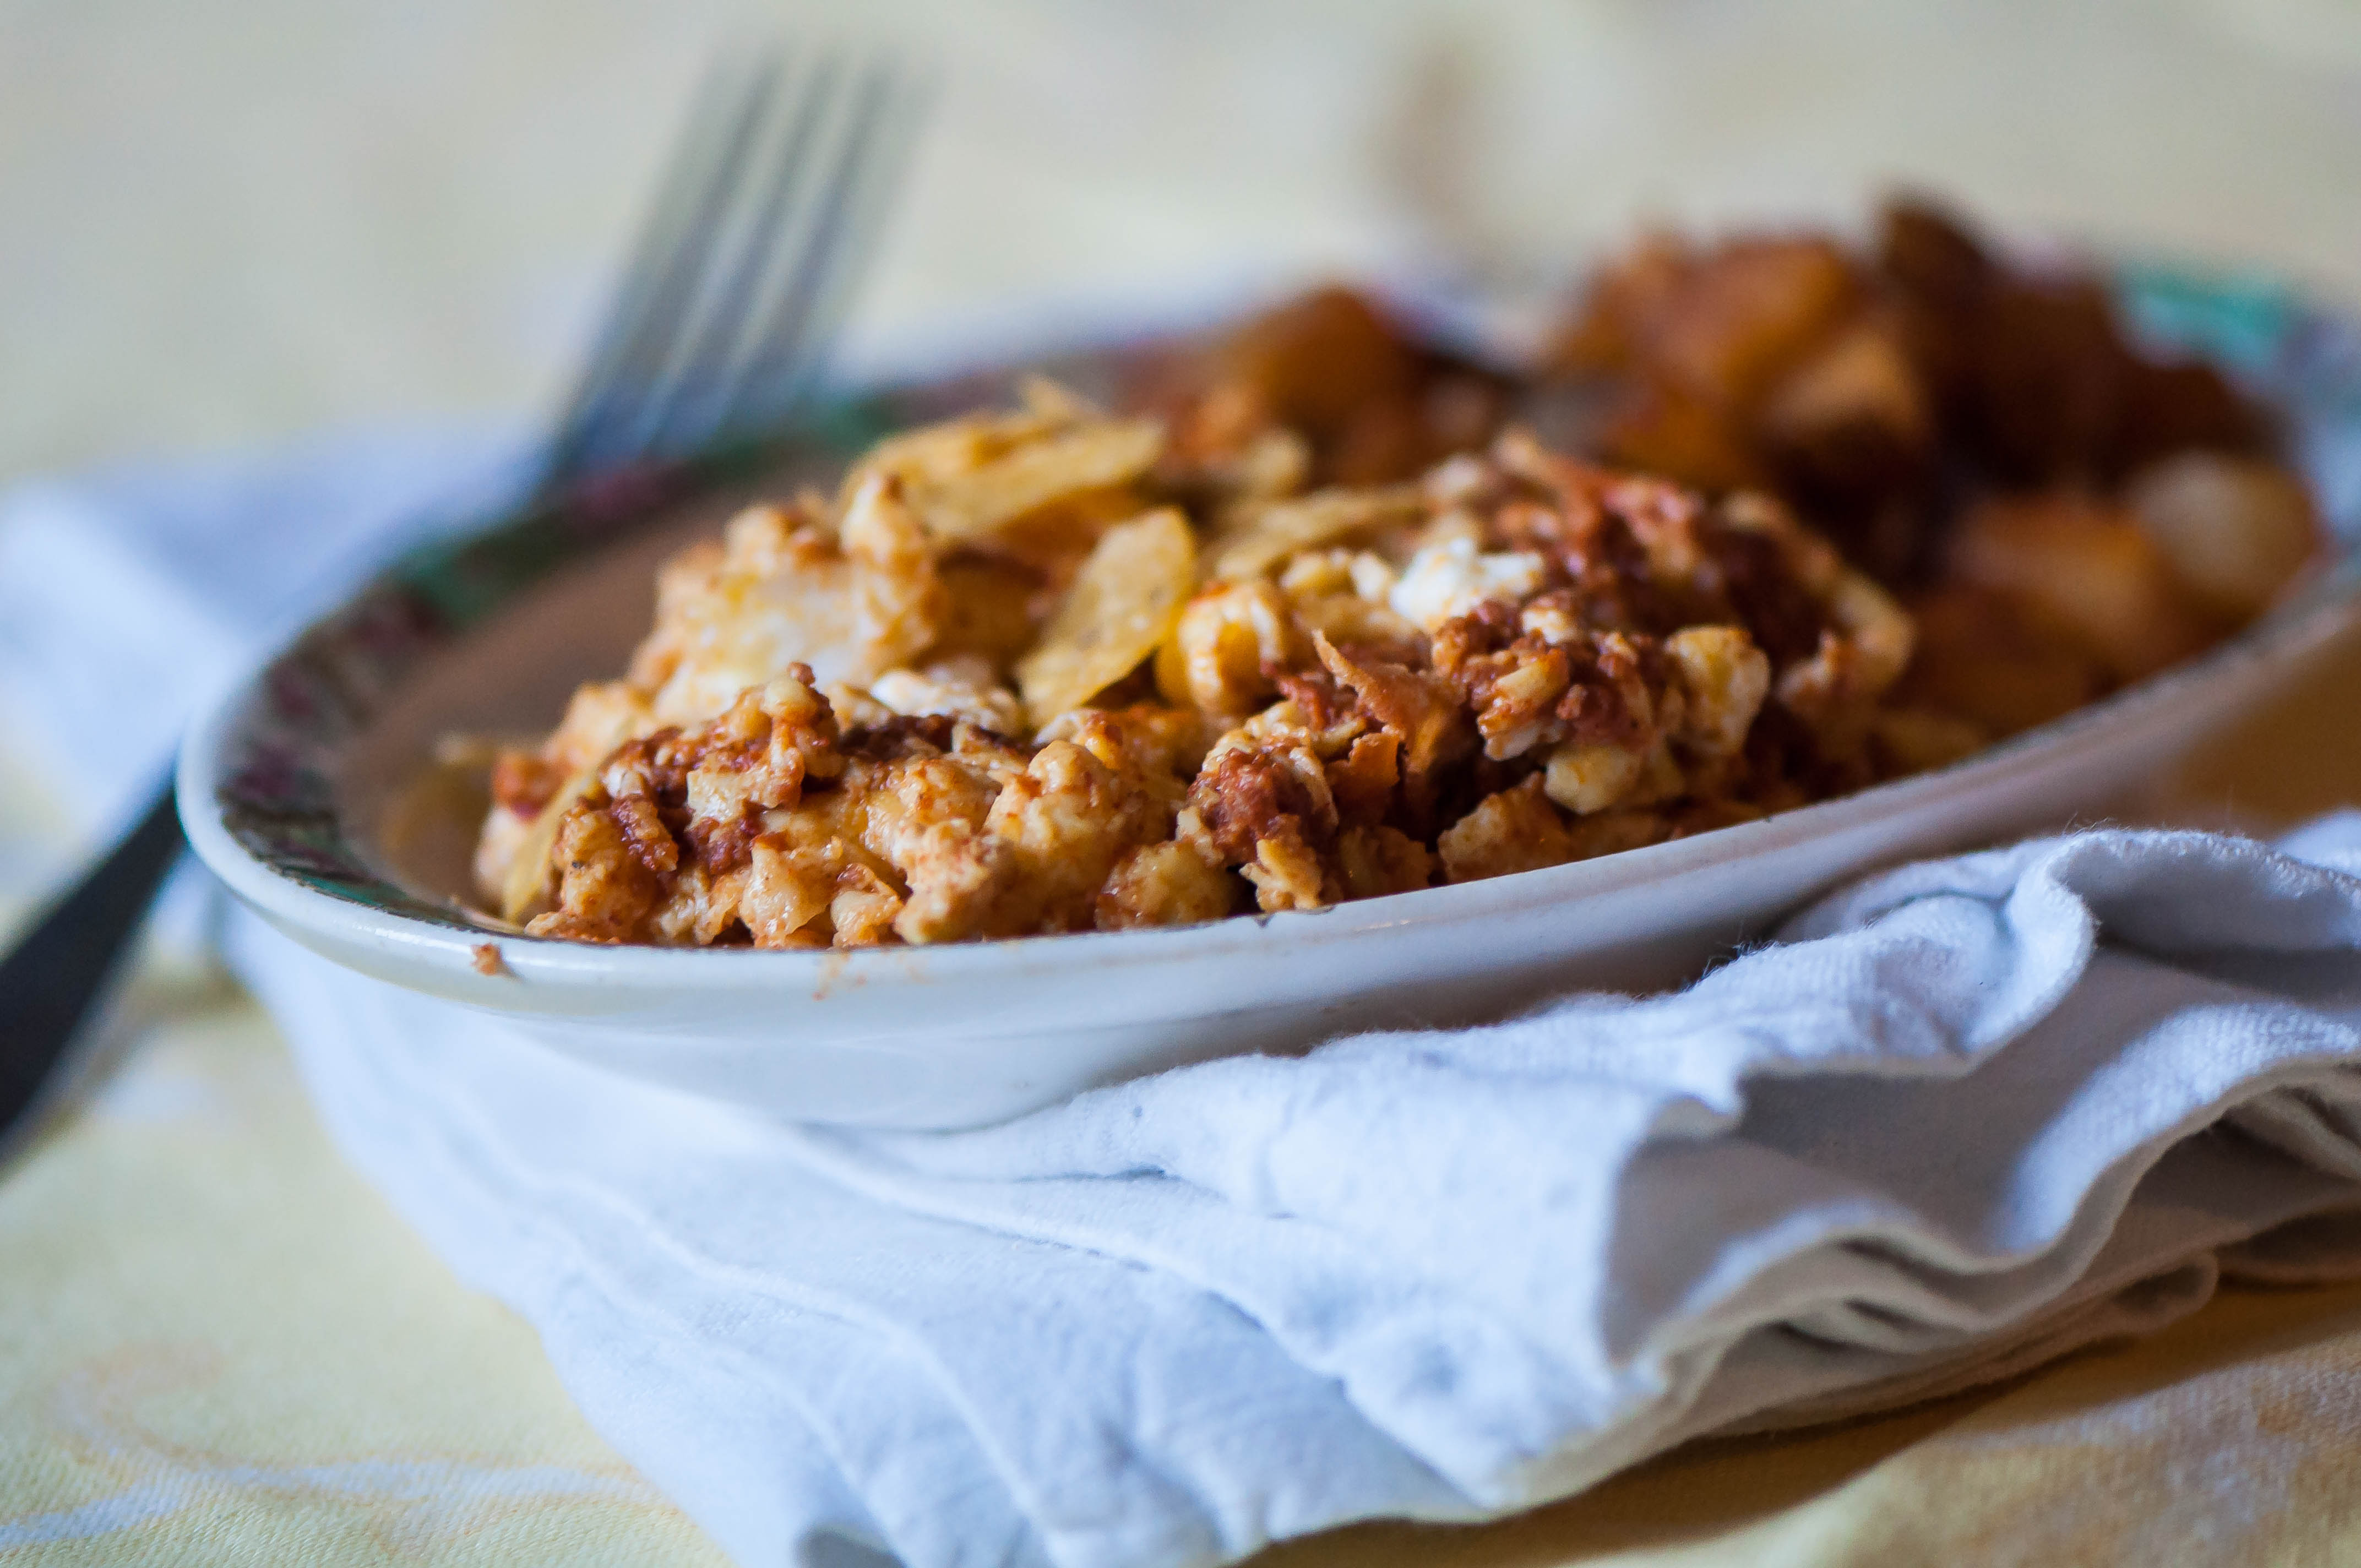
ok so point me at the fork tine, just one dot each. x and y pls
(700, 389)
(728, 310)
(656, 284)
(618, 433)
(789, 345)
(865, 215)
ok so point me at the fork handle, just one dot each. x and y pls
(54, 975)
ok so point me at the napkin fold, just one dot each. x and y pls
(1956, 1120)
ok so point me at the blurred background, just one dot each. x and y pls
(221, 225)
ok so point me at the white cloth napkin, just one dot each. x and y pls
(1961, 1118)
(1969, 1115)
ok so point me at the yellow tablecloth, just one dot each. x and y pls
(217, 1345)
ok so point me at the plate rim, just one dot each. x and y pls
(285, 892)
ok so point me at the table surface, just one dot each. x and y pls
(218, 1346)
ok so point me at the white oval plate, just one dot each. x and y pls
(292, 790)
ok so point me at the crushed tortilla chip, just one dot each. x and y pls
(1124, 602)
(525, 891)
(969, 478)
(1271, 533)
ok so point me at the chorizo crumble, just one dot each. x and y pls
(1328, 614)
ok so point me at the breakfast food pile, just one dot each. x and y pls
(1325, 614)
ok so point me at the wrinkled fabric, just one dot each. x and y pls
(1957, 1120)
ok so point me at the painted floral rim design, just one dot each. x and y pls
(276, 792)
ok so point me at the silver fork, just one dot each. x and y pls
(734, 295)
(740, 279)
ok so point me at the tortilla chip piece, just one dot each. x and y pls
(525, 892)
(970, 480)
(1271, 533)
(1124, 601)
